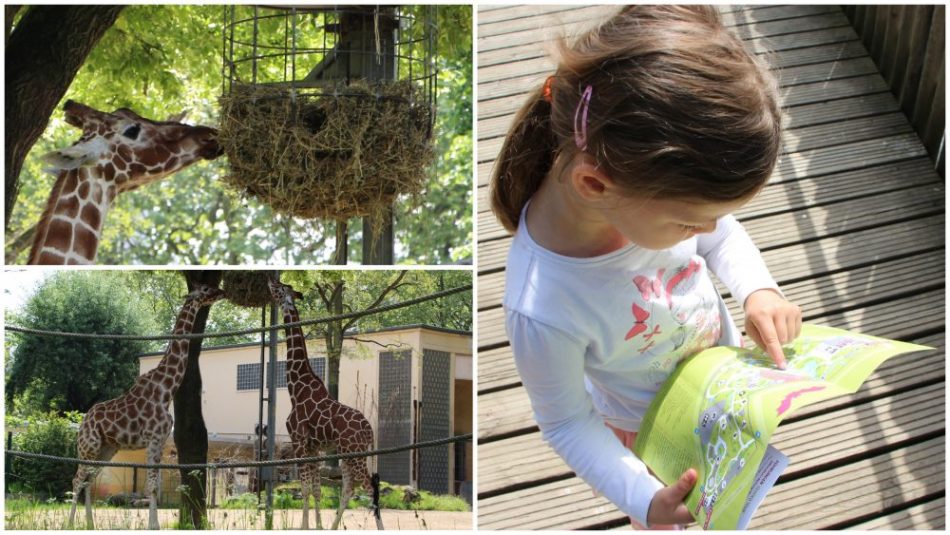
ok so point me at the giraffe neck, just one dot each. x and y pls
(71, 225)
(299, 370)
(171, 370)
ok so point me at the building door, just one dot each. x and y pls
(395, 415)
(435, 419)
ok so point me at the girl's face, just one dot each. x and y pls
(662, 223)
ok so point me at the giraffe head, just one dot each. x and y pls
(205, 295)
(129, 150)
(283, 294)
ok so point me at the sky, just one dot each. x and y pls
(19, 285)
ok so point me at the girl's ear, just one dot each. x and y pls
(590, 183)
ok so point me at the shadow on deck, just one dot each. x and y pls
(852, 227)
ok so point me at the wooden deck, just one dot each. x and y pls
(852, 227)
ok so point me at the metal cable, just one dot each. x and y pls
(192, 336)
(245, 464)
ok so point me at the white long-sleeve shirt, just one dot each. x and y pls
(595, 338)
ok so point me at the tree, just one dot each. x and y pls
(44, 52)
(72, 374)
(191, 434)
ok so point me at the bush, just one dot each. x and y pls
(248, 500)
(52, 435)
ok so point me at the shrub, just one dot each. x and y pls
(52, 435)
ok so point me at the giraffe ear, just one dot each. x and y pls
(69, 158)
(177, 118)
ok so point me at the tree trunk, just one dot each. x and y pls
(44, 53)
(334, 339)
(191, 434)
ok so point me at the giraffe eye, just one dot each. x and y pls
(132, 132)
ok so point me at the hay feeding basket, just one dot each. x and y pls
(327, 111)
(246, 288)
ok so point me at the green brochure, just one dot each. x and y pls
(719, 408)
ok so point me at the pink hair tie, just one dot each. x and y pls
(580, 133)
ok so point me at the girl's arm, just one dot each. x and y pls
(731, 255)
(771, 320)
(551, 365)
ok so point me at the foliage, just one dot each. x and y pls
(161, 68)
(72, 374)
(391, 497)
(363, 287)
(49, 434)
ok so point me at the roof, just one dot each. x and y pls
(349, 334)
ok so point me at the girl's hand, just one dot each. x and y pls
(667, 506)
(772, 321)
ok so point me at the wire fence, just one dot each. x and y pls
(245, 464)
(242, 332)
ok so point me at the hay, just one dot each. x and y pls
(246, 288)
(325, 156)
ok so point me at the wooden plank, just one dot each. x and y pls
(800, 41)
(910, 472)
(542, 63)
(862, 488)
(920, 26)
(519, 460)
(508, 411)
(548, 17)
(929, 515)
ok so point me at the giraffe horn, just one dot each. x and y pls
(177, 118)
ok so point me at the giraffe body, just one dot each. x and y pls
(139, 418)
(117, 152)
(318, 422)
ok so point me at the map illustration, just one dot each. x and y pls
(721, 406)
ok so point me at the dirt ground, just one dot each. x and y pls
(359, 519)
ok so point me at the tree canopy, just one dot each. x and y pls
(161, 60)
(73, 374)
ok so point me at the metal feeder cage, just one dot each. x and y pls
(316, 50)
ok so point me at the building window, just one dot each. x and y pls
(248, 376)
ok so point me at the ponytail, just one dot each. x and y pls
(526, 157)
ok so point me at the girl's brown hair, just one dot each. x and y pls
(679, 109)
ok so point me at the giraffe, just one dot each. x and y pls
(317, 421)
(117, 152)
(139, 418)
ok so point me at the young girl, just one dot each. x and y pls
(617, 179)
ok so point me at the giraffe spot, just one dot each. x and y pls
(50, 258)
(110, 193)
(119, 163)
(137, 169)
(140, 403)
(124, 152)
(84, 190)
(91, 215)
(59, 235)
(107, 172)
(171, 164)
(85, 242)
(71, 182)
(68, 207)
(168, 381)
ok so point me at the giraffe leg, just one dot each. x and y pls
(345, 494)
(90, 479)
(316, 490)
(79, 482)
(305, 491)
(152, 485)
